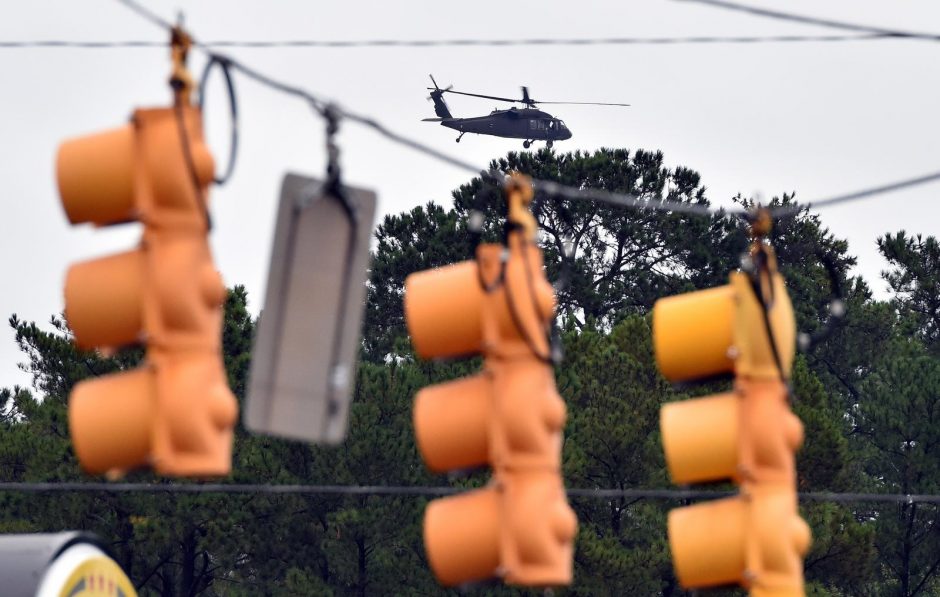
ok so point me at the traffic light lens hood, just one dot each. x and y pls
(95, 175)
(444, 309)
(700, 438)
(109, 420)
(693, 332)
(707, 542)
(103, 300)
(461, 536)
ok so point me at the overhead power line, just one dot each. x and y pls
(549, 188)
(873, 191)
(147, 14)
(465, 43)
(832, 24)
(64, 43)
(418, 490)
(554, 189)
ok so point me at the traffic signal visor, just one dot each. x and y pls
(95, 175)
(462, 534)
(701, 437)
(104, 300)
(692, 333)
(110, 420)
(722, 330)
(452, 423)
(444, 310)
(708, 542)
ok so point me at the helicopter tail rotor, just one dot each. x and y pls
(436, 90)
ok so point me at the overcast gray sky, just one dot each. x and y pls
(814, 118)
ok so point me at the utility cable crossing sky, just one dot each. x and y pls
(417, 490)
(432, 43)
(805, 20)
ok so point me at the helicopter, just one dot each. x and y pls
(526, 122)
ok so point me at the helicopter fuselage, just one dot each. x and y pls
(514, 123)
(528, 123)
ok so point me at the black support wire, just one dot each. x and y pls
(805, 20)
(233, 113)
(628, 200)
(63, 43)
(856, 195)
(147, 14)
(459, 43)
(428, 491)
(554, 189)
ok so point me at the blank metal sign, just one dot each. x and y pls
(304, 359)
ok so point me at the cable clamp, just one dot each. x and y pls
(181, 81)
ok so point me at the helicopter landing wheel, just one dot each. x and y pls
(549, 144)
(527, 144)
(459, 137)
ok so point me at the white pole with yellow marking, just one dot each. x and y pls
(70, 564)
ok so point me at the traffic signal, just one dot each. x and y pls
(749, 435)
(175, 412)
(510, 416)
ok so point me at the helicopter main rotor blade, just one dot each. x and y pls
(492, 97)
(526, 99)
(580, 103)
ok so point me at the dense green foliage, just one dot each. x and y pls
(868, 397)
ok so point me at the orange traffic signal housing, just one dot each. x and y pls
(510, 416)
(176, 411)
(756, 539)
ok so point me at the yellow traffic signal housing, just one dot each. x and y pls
(176, 411)
(510, 416)
(756, 539)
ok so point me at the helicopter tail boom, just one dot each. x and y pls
(437, 96)
(440, 107)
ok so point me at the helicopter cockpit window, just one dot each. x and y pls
(533, 124)
(551, 125)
